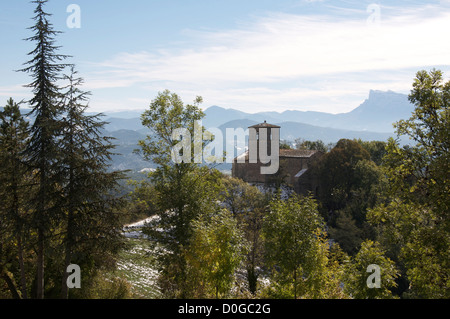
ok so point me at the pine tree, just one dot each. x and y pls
(43, 150)
(13, 138)
(91, 229)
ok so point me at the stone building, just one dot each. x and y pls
(294, 165)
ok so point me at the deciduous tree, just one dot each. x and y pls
(217, 248)
(416, 223)
(183, 190)
(249, 206)
(293, 231)
(357, 273)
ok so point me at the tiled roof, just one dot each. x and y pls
(284, 153)
(296, 153)
(266, 125)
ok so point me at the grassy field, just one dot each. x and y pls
(137, 266)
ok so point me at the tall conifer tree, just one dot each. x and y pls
(43, 150)
(92, 231)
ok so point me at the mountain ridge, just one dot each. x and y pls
(377, 114)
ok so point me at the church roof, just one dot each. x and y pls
(296, 153)
(283, 153)
(265, 125)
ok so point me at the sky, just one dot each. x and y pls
(249, 55)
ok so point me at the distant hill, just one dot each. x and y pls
(126, 142)
(115, 124)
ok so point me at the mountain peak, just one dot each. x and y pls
(381, 110)
(214, 108)
(378, 93)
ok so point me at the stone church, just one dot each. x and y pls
(294, 165)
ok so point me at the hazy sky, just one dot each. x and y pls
(251, 55)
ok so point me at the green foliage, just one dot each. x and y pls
(376, 149)
(318, 145)
(14, 217)
(349, 184)
(13, 137)
(183, 191)
(43, 150)
(346, 232)
(249, 206)
(427, 163)
(295, 248)
(102, 286)
(140, 204)
(336, 173)
(59, 196)
(285, 145)
(217, 248)
(415, 224)
(92, 229)
(349, 227)
(355, 275)
(179, 199)
(167, 113)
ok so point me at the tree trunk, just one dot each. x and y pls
(40, 265)
(11, 286)
(295, 284)
(19, 222)
(252, 279)
(68, 257)
(23, 280)
(70, 214)
(64, 288)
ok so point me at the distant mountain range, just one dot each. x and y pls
(376, 114)
(372, 120)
